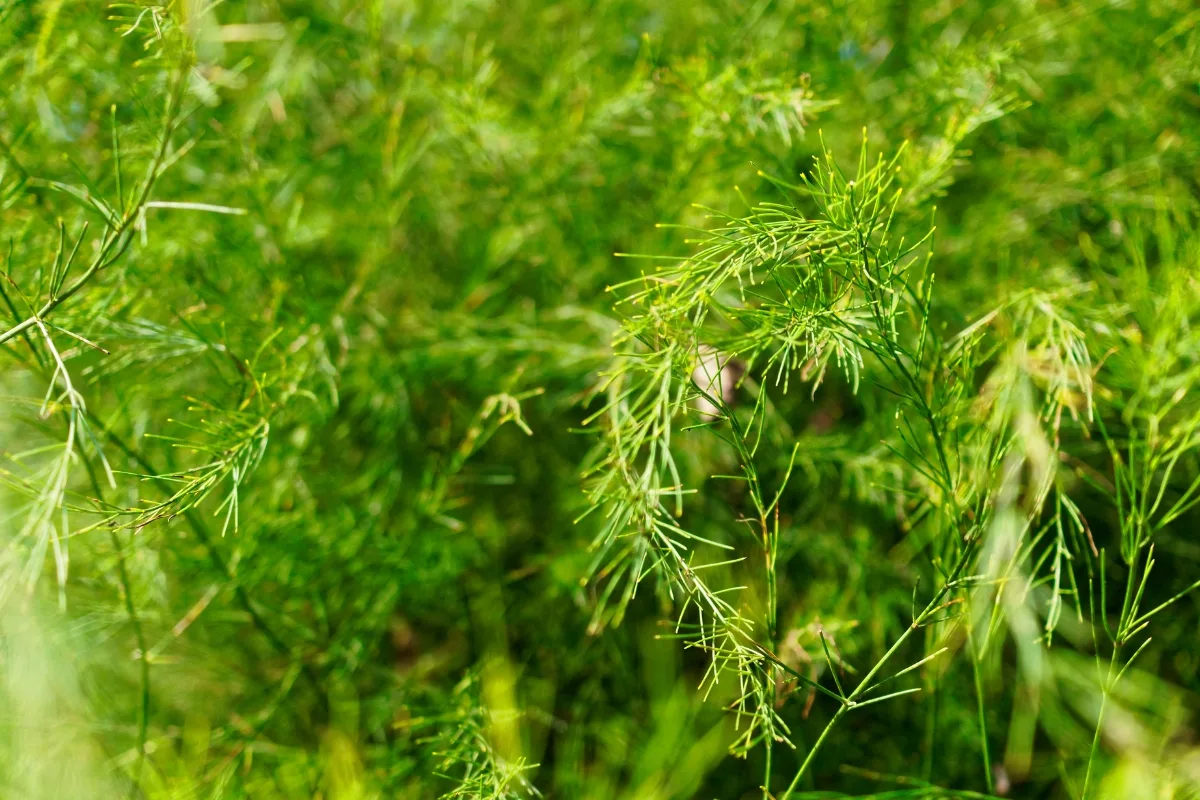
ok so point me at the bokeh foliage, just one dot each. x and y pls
(319, 350)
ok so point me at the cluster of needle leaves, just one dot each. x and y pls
(976, 429)
(403, 399)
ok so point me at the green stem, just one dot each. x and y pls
(770, 543)
(767, 771)
(865, 683)
(106, 256)
(813, 752)
(1087, 775)
(143, 657)
(983, 739)
(139, 636)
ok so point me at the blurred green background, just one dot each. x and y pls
(417, 211)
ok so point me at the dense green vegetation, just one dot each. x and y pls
(599, 399)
